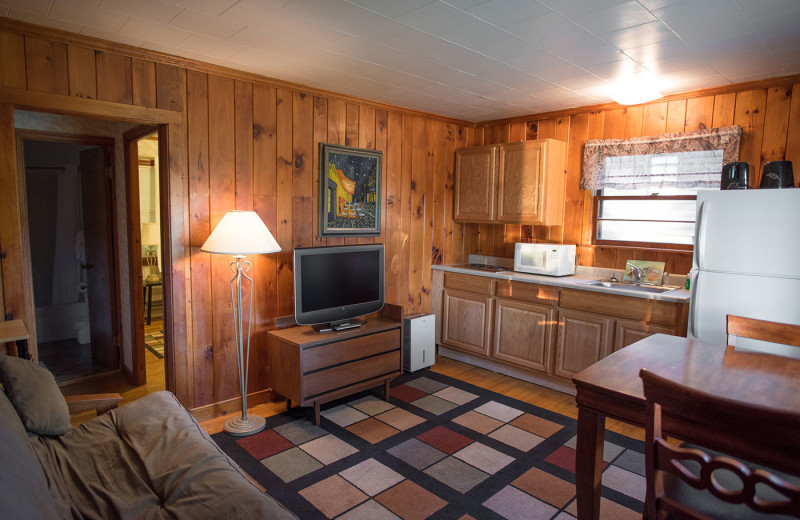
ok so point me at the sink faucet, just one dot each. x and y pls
(636, 272)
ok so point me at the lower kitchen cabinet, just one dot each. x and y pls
(466, 320)
(583, 339)
(629, 332)
(546, 332)
(523, 333)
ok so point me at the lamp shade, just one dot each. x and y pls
(241, 233)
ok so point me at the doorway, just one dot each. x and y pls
(145, 162)
(69, 212)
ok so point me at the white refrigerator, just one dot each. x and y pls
(746, 262)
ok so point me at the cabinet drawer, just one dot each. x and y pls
(653, 311)
(331, 354)
(528, 292)
(350, 373)
(465, 282)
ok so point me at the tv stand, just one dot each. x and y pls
(338, 325)
(312, 369)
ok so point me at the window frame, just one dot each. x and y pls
(598, 197)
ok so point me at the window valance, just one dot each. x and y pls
(681, 159)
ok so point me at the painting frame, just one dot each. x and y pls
(349, 191)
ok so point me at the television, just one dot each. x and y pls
(333, 285)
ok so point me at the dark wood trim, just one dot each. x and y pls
(657, 246)
(135, 277)
(166, 255)
(25, 250)
(57, 35)
(72, 105)
(140, 132)
(113, 250)
(45, 135)
(660, 248)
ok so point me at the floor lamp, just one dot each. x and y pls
(241, 233)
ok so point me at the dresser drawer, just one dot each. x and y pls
(315, 358)
(350, 373)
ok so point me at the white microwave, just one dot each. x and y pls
(546, 259)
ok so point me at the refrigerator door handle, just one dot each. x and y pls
(695, 281)
(700, 239)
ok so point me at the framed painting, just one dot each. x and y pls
(349, 191)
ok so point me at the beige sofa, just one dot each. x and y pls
(146, 459)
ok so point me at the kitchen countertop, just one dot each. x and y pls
(582, 275)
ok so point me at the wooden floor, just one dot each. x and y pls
(116, 382)
(552, 400)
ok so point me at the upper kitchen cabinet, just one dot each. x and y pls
(512, 183)
(476, 181)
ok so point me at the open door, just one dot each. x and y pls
(143, 159)
(95, 166)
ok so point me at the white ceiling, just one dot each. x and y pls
(470, 59)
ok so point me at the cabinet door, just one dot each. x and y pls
(475, 182)
(583, 339)
(523, 333)
(629, 332)
(466, 321)
(521, 182)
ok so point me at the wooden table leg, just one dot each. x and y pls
(316, 413)
(149, 302)
(589, 463)
(288, 404)
(386, 390)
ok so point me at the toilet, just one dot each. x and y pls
(82, 330)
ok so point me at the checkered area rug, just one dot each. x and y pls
(154, 342)
(440, 449)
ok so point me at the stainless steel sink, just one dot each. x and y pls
(630, 287)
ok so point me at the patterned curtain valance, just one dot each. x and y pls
(627, 163)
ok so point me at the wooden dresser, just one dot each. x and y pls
(312, 368)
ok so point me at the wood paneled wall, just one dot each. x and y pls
(769, 117)
(235, 140)
(245, 143)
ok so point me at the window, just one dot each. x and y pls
(646, 201)
(147, 191)
(647, 186)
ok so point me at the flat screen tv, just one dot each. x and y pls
(333, 285)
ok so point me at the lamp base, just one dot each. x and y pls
(239, 427)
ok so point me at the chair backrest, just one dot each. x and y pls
(783, 333)
(759, 435)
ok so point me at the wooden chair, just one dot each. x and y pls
(783, 333)
(704, 481)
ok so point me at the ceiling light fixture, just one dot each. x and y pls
(634, 91)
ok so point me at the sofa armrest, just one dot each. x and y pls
(100, 402)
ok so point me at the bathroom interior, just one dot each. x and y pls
(70, 345)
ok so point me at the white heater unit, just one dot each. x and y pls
(419, 347)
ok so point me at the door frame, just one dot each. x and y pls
(107, 143)
(130, 140)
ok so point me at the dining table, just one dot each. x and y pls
(612, 388)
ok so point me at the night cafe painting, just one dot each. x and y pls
(350, 187)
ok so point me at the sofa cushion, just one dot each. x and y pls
(150, 459)
(34, 393)
(23, 487)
